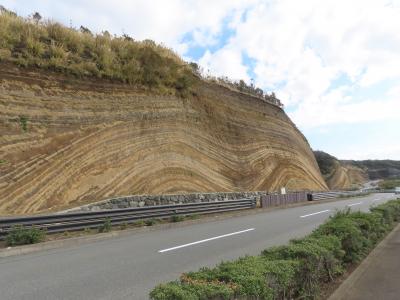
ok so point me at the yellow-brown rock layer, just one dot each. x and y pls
(86, 141)
(346, 176)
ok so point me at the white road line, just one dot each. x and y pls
(316, 213)
(358, 203)
(206, 240)
(377, 200)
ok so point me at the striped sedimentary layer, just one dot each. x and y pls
(67, 142)
(346, 176)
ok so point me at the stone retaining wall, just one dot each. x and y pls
(150, 200)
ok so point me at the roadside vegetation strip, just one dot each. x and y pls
(293, 271)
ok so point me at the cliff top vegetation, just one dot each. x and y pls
(46, 44)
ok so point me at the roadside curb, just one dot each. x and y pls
(343, 291)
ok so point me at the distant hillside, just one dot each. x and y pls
(340, 175)
(344, 174)
(377, 169)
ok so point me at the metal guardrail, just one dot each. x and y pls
(79, 221)
(335, 194)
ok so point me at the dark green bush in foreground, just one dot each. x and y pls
(293, 271)
(20, 235)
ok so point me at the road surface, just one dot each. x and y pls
(129, 267)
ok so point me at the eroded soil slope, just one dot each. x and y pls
(66, 142)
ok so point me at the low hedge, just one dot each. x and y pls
(293, 271)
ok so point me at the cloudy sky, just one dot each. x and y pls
(335, 64)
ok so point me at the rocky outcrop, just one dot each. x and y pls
(66, 142)
(346, 177)
(340, 175)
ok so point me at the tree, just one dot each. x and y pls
(36, 17)
(259, 92)
(84, 29)
(242, 85)
(127, 37)
(195, 68)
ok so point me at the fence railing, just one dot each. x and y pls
(336, 194)
(298, 197)
(82, 220)
(279, 200)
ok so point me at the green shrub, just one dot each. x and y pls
(23, 121)
(193, 217)
(150, 222)
(140, 223)
(370, 225)
(253, 276)
(354, 243)
(20, 235)
(107, 226)
(172, 290)
(177, 218)
(389, 211)
(193, 290)
(320, 261)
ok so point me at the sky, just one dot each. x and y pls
(334, 64)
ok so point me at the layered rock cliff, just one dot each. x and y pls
(346, 176)
(340, 175)
(67, 142)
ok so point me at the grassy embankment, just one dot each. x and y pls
(294, 271)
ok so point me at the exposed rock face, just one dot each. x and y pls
(346, 177)
(66, 142)
(338, 174)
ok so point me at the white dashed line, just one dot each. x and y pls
(358, 203)
(316, 213)
(206, 240)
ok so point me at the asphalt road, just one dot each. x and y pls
(129, 267)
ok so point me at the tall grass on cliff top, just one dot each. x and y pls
(50, 45)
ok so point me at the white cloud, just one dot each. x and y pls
(328, 111)
(371, 151)
(225, 61)
(301, 48)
